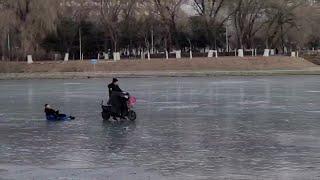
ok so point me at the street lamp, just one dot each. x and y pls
(227, 34)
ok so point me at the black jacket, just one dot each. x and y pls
(113, 88)
(50, 112)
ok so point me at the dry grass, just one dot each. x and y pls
(314, 58)
(197, 64)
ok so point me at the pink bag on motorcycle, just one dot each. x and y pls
(132, 101)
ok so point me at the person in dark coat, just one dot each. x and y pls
(116, 98)
(116, 104)
(52, 112)
(114, 87)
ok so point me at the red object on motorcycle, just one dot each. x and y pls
(132, 101)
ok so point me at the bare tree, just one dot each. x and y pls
(132, 12)
(248, 20)
(168, 10)
(32, 20)
(281, 18)
(111, 17)
(214, 13)
(7, 23)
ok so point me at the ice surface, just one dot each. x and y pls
(187, 128)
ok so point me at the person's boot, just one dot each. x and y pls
(122, 117)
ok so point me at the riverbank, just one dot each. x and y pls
(225, 66)
(140, 74)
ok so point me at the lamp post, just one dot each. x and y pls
(80, 44)
(227, 39)
(227, 35)
(152, 41)
(9, 47)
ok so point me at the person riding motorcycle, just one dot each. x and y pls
(117, 99)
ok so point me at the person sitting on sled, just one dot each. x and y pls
(55, 113)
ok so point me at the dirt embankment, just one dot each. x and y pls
(314, 58)
(196, 64)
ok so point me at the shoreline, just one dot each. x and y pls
(149, 74)
(197, 67)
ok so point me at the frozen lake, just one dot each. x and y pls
(187, 129)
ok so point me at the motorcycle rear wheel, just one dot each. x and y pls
(132, 116)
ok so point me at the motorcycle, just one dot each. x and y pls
(109, 111)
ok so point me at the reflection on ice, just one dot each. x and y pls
(313, 111)
(313, 91)
(73, 83)
(253, 102)
(161, 108)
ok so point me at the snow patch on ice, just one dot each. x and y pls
(11, 85)
(313, 111)
(313, 91)
(253, 102)
(229, 82)
(73, 83)
(279, 107)
(178, 107)
(169, 102)
(142, 101)
(81, 96)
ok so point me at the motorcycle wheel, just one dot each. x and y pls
(132, 116)
(106, 116)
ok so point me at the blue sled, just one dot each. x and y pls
(59, 118)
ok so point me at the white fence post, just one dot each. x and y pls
(66, 57)
(142, 55)
(105, 56)
(191, 56)
(272, 52)
(210, 53)
(167, 55)
(266, 53)
(149, 57)
(178, 54)
(240, 53)
(29, 59)
(116, 56)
